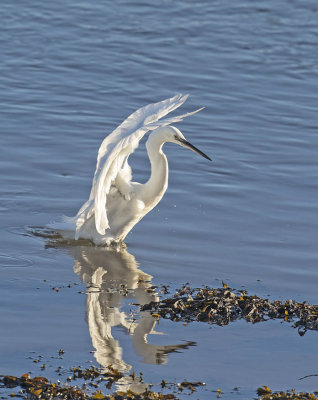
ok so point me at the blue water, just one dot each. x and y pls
(70, 73)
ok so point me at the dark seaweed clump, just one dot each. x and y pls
(40, 388)
(223, 305)
(265, 393)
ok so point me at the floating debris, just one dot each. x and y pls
(61, 352)
(265, 393)
(221, 306)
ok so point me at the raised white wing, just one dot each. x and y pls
(115, 150)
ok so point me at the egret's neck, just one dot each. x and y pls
(157, 184)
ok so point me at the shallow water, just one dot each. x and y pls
(71, 72)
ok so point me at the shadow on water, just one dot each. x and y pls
(113, 278)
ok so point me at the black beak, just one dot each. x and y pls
(190, 146)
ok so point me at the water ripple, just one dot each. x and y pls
(7, 261)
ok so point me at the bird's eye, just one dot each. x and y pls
(176, 137)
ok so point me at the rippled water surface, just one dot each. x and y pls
(71, 71)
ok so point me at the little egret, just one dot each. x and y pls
(116, 204)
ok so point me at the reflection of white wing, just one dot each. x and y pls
(115, 282)
(114, 152)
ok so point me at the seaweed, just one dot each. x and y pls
(220, 306)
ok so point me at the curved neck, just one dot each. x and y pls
(157, 184)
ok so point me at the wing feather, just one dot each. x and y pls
(115, 150)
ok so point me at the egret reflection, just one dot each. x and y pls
(114, 279)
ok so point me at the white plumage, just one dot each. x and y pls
(116, 203)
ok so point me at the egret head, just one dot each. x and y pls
(173, 135)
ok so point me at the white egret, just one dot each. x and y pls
(116, 203)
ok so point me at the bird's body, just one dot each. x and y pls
(116, 203)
